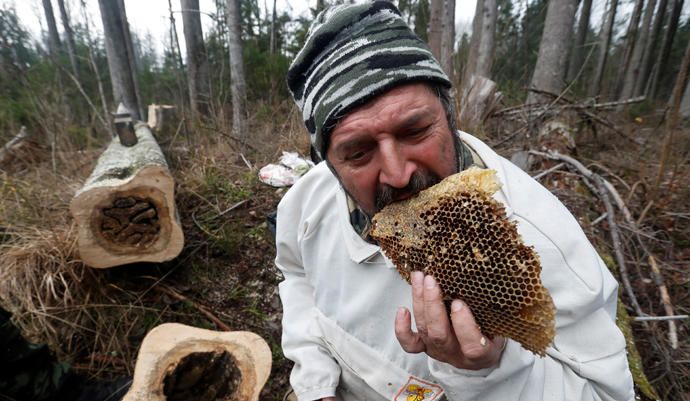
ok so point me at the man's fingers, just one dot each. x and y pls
(417, 279)
(472, 342)
(409, 340)
(435, 314)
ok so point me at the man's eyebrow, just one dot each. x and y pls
(350, 144)
(414, 118)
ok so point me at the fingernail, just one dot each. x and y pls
(401, 313)
(456, 306)
(417, 278)
(429, 282)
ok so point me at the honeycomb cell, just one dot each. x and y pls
(456, 232)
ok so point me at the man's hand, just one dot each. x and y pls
(328, 399)
(457, 342)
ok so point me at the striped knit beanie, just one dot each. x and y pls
(354, 52)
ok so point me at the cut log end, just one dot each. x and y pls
(203, 376)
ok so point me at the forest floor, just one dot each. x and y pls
(96, 319)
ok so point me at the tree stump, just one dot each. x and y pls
(163, 120)
(478, 99)
(183, 363)
(126, 209)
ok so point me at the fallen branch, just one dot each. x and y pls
(666, 301)
(171, 292)
(659, 318)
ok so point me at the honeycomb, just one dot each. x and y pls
(456, 232)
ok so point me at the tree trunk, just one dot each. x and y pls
(485, 55)
(578, 55)
(549, 72)
(604, 43)
(650, 49)
(448, 38)
(272, 46)
(69, 39)
(54, 44)
(126, 209)
(120, 57)
(662, 61)
(630, 40)
(238, 84)
(673, 110)
(435, 27)
(475, 42)
(633, 70)
(197, 63)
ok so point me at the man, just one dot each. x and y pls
(376, 105)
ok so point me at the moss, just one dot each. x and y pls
(634, 359)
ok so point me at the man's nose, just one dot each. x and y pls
(396, 168)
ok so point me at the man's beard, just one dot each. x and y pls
(419, 181)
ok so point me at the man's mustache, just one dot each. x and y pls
(419, 181)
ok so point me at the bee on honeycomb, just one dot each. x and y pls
(456, 232)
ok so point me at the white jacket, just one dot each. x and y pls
(340, 296)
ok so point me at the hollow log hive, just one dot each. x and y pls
(456, 232)
(183, 363)
(126, 209)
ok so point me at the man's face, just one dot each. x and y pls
(392, 147)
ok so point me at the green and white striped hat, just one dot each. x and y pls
(354, 52)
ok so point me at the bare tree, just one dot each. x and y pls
(120, 55)
(549, 72)
(480, 59)
(475, 41)
(630, 41)
(197, 62)
(485, 55)
(272, 45)
(238, 84)
(577, 56)
(435, 29)
(650, 49)
(633, 70)
(662, 60)
(69, 39)
(448, 37)
(54, 44)
(604, 43)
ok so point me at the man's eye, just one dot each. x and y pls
(355, 156)
(417, 132)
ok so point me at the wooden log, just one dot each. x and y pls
(20, 150)
(178, 362)
(126, 209)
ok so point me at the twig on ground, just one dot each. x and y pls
(549, 171)
(171, 292)
(666, 300)
(659, 318)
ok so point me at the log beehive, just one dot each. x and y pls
(456, 232)
(126, 209)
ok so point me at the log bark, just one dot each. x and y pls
(485, 54)
(475, 42)
(126, 209)
(223, 365)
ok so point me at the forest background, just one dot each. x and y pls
(611, 73)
